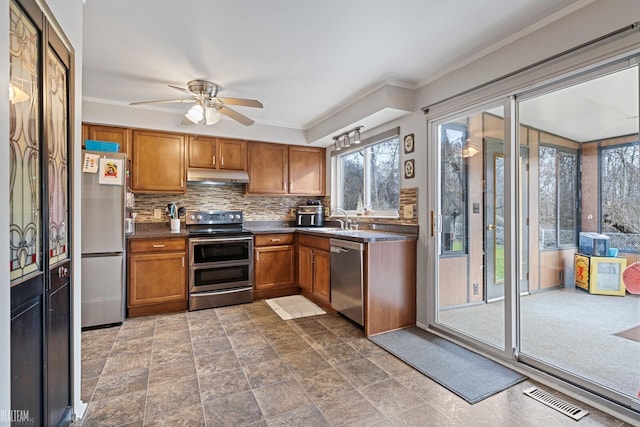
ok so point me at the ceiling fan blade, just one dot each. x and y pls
(242, 102)
(165, 101)
(241, 118)
(180, 89)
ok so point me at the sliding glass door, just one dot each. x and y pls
(585, 163)
(513, 277)
(470, 282)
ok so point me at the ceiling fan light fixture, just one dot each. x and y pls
(195, 114)
(212, 116)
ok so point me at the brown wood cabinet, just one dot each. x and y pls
(268, 168)
(157, 276)
(389, 286)
(314, 273)
(108, 133)
(307, 171)
(278, 169)
(217, 153)
(158, 162)
(275, 267)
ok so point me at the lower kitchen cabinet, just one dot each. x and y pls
(157, 276)
(314, 276)
(389, 286)
(275, 268)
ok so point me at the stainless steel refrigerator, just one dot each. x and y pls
(103, 238)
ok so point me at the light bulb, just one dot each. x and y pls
(212, 116)
(356, 136)
(195, 114)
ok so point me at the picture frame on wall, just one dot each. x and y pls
(409, 143)
(409, 169)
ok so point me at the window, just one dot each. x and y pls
(368, 176)
(453, 139)
(558, 201)
(620, 195)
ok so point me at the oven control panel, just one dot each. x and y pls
(213, 217)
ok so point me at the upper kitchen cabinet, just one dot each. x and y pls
(278, 169)
(158, 162)
(267, 168)
(307, 171)
(109, 133)
(217, 153)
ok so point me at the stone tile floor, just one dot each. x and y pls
(243, 365)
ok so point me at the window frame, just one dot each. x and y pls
(576, 213)
(337, 174)
(464, 129)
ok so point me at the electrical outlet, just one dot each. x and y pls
(157, 213)
(408, 211)
(476, 289)
(292, 212)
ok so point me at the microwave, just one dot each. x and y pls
(309, 216)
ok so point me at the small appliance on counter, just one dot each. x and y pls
(309, 216)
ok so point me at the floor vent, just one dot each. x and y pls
(559, 405)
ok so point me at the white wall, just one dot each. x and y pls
(5, 308)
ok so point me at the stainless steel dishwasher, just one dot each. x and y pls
(346, 278)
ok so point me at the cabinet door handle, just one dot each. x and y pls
(284, 185)
(290, 186)
(275, 240)
(158, 246)
(182, 262)
(213, 160)
(222, 160)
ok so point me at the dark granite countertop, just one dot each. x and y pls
(156, 230)
(381, 233)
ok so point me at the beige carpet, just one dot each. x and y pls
(632, 334)
(293, 307)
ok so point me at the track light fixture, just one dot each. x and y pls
(343, 140)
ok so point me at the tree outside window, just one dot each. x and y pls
(370, 178)
(558, 201)
(620, 195)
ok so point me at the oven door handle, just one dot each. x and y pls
(226, 291)
(219, 239)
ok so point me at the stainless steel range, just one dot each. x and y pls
(220, 259)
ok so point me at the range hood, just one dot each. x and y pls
(210, 176)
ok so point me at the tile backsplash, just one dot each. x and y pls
(217, 197)
(255, 208)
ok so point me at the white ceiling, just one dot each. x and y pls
(305, 61)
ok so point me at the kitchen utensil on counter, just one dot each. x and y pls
(128, 225)
(172, 210)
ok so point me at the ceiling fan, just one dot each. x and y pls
(209, 107)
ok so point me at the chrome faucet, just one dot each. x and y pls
(346, 221)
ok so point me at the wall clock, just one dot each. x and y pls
(408, 143)
(409, 169)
